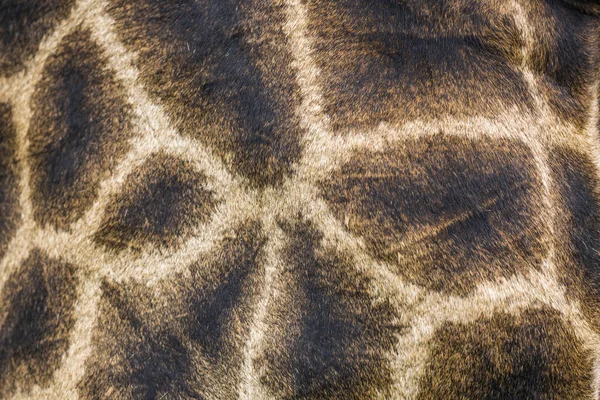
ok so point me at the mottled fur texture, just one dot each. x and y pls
(300, 199)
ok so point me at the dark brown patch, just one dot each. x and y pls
(23, 24)
(586, 6)
(533, 356)
(36, 315)
(9, 173)
(399, 60)
(578, 227)
(565, 56)
(222, 69)
(450, 211)
(160, 203)
(184, 337)
(77, 133)
(326, 337)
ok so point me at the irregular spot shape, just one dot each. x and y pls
(396, 61)
(578, 227)
(9, 182)
(36, 317)
(531, 356)
(222, 70)
(23, 24)
(450, 212)
(326, 337)
(160, 203)
(184, 337)
(78, 130)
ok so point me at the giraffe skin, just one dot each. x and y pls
(300, 199)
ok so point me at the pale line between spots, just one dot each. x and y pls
(86, 318)
(150, 117)
(18, 90)
(79, 248)
(250, 387)
(539, 139)
(523, 24)
(302, 199)
(593, 148)
(509, 295)
(593, 127)
(70, 373)
(141, 150)
(546, 130)
(313, 120)
(4, 92)
(17, 251)
(520, 18)
(508, 125)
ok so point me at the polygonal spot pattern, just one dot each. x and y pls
(160, 203)
(78, 130)
(397, 61)
(450, 212)
(222, 70)
(534, 355)
(325, 335)
(183, 337)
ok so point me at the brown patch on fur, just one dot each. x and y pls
(183, 337)
(9, 196)
(222, 70)
(566, 48)
(451, 212)
(77, 133)
(162, 201)
(325, 336)
(535, 355)
(23, 24)
(578, 236)
(36, 316)
(396, 61)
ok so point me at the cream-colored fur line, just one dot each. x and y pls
(323, 152)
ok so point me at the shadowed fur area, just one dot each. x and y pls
(300, 199)
(579, 258)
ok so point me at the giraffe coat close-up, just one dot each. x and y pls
(300, 199)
